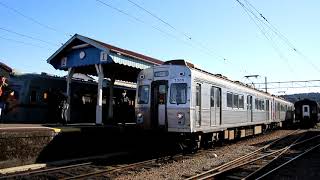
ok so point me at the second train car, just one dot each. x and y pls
(202, 107)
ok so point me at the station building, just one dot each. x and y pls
(84, 55)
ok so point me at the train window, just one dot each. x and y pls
(33, 96)
(267, 105)
(262, 104)
(178, 93)
(218, 96)
(143, 94)
(229, 99)
(198, 95)
(241, 101)
(305, 109)
(256, 103)
(212, 96)
(236, 101)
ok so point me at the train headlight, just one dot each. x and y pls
(139, 118)
(139, 115)
(180, 115)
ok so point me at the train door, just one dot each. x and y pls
(159, 92)
(198, 104)
(249, 108)
(305, 111)
(215, 106)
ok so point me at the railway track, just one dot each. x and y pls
(94, 170)
(264, 159)
(91, 169)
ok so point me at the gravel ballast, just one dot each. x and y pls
(200, 162)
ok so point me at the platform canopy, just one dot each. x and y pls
(82, 54)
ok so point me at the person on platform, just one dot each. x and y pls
(3, 85)
(124, 107)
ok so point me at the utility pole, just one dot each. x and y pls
(265, 82)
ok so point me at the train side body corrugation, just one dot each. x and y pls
(199, 115)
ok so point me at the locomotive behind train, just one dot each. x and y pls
(178, 98)
(41, 98)
(307, 112)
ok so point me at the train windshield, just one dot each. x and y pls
(178, 93)
(143, 94)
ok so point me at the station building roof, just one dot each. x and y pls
(5, 70)
(83, 53)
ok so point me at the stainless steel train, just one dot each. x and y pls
(307, 112)
(177, 97)
(39, 98)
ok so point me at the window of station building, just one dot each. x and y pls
(235, 101)
(143, 94)
(178, 93)
(229, 99)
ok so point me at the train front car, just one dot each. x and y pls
(307, 112)
(163, 97)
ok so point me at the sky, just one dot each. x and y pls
(217, 36)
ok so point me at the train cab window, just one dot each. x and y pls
(241, 101)
(178, 93)
(305, 109)
(229, 99)
(143, 94)
(236, 101)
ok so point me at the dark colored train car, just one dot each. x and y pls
(307, 112)
(39, 98)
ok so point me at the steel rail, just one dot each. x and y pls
(271, 171)
(46, 170)
(244, 157)
(111, 170)
(282, 151)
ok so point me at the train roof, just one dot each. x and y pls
(182, 62)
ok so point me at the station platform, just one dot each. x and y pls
(22, 144)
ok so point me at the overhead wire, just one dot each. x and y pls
(265, 33)
(282, 36)
(33, 19)
(156, 28)
(27, 36)
(21, 42)
(177, 30)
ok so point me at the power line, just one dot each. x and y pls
(29, 37)
(292, 87)
(283, 82)
(21, 42)
(152, 26)
(174, 28)
(265, 33)
(33, 20)
(282, 36)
